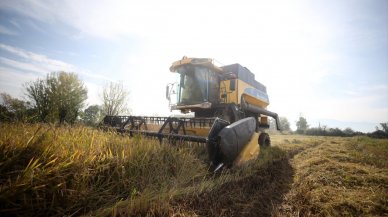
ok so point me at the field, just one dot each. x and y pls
(55, 171)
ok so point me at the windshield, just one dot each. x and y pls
(193, 87)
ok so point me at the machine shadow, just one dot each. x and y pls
(256, 195)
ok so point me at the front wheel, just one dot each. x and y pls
(264, 140)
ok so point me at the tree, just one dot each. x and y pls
(335, 132)
(384, 126)
(13, 109)
(38, 93)
(301, 125)
(349, 131)
(114, 98)
(59, 97)
(68, 94)
(380, 133)
(5, 115)
(272, 124)
(284, 124)
(91, 115)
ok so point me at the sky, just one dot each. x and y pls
(325, 60)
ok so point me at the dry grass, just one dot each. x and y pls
(65, 171)
(56, 171)
(338, 177)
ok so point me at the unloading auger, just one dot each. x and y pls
(229, 107)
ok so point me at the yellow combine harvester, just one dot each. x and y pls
(229, 107)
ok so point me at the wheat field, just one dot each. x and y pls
(48, 170)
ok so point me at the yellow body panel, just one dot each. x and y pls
(195, 131)
(206, 62)
(250, 151)
(226, 95)
(264, 120)
(235, 96)
(254, 101)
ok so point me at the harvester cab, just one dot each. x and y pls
(229, 106)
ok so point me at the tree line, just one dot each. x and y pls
(302, 127)
(60, 98)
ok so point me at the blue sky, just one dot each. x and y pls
(326, 60)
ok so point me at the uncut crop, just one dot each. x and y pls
(63, 171)
(47, 170)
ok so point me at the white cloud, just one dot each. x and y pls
(28, 66)
(7, 31)
(34, 9)
(42, 59)
(15, 23)
(23, 66)
(12, 81)
(42, 64)
(288, 45)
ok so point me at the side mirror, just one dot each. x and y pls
(168, 92)
(232, 85)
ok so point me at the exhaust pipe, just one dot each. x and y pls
(255, 109)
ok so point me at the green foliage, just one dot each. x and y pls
(284, 124)
(384, 126)
(348, 131)
(380, 133)
(15, 110)
(38, 93)
(324, 131)
(5, 115)
(58, 98)
(301, 125)
(92, 115)
(68, 94)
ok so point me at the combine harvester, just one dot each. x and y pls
(229, 106)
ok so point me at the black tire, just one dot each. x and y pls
(264, 140)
